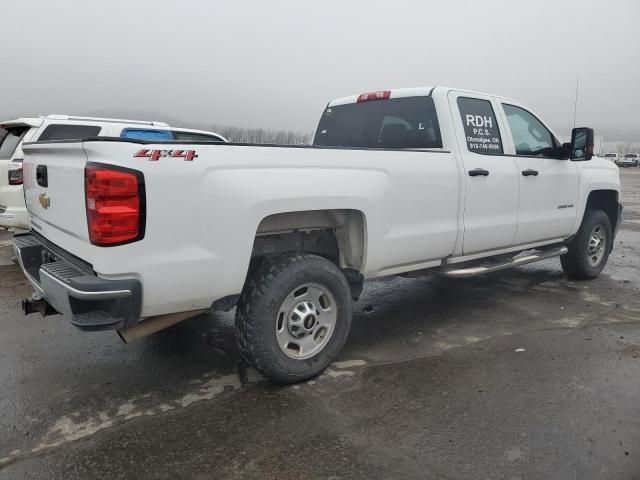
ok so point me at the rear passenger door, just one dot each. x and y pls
(490, 177)
(549, 185)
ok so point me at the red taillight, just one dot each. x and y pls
(382, 95)
(114, 205)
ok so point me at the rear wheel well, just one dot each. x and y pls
(337, 235)
(605, 200)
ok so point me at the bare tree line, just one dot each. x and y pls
(262, 135)
(626, 147)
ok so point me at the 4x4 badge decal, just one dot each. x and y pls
(155, 155)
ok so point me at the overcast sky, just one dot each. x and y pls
(275, 64)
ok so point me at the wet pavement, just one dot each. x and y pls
(518, 375)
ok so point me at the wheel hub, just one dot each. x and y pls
(597, 245)
(302, 319)
(306, 321)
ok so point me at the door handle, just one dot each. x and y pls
(529, 172)
(476, 172)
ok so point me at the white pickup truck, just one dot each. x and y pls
(135, 236)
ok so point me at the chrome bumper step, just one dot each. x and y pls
(487, 267)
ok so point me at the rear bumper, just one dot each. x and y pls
(72, 288)
(13, 211)
(14, 217)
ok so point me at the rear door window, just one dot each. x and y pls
(409, 122)
(11, 140)
(146, 134)
(480, 126)
(68, 132)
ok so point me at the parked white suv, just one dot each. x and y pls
(612, 157)
(13, 213)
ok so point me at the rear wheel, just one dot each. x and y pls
(589, 250)
(293, 317)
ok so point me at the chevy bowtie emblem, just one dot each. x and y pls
(44, 200)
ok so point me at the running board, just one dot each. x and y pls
(512, 262)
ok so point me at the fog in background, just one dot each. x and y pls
(275, 64)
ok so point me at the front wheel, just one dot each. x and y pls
(293, 317)
(589, 249)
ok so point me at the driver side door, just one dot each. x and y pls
(549, 185)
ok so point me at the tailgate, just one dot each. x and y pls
(54, 193)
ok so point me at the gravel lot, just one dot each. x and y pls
(430, 386)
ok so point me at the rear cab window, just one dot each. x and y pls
(406, 122)
(68, 132)
(481, 129)
(11, 140)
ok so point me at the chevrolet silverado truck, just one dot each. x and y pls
(13, 212)
(135, 236)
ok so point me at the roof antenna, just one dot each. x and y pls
(575, 105)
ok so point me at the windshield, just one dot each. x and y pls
(610, 155)
(11, 140)
(409, 122)
(630, 155)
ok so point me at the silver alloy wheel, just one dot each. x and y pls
(306, 321)
(597, 245)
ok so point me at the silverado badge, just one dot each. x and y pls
(44, 200)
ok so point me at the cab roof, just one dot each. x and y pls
(405, 92)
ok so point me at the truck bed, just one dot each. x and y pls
(202, 215)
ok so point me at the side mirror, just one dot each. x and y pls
(582, 144)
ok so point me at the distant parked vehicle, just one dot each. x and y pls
(13, 213)
(611, 156)
(633, 156)
(628, 160)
